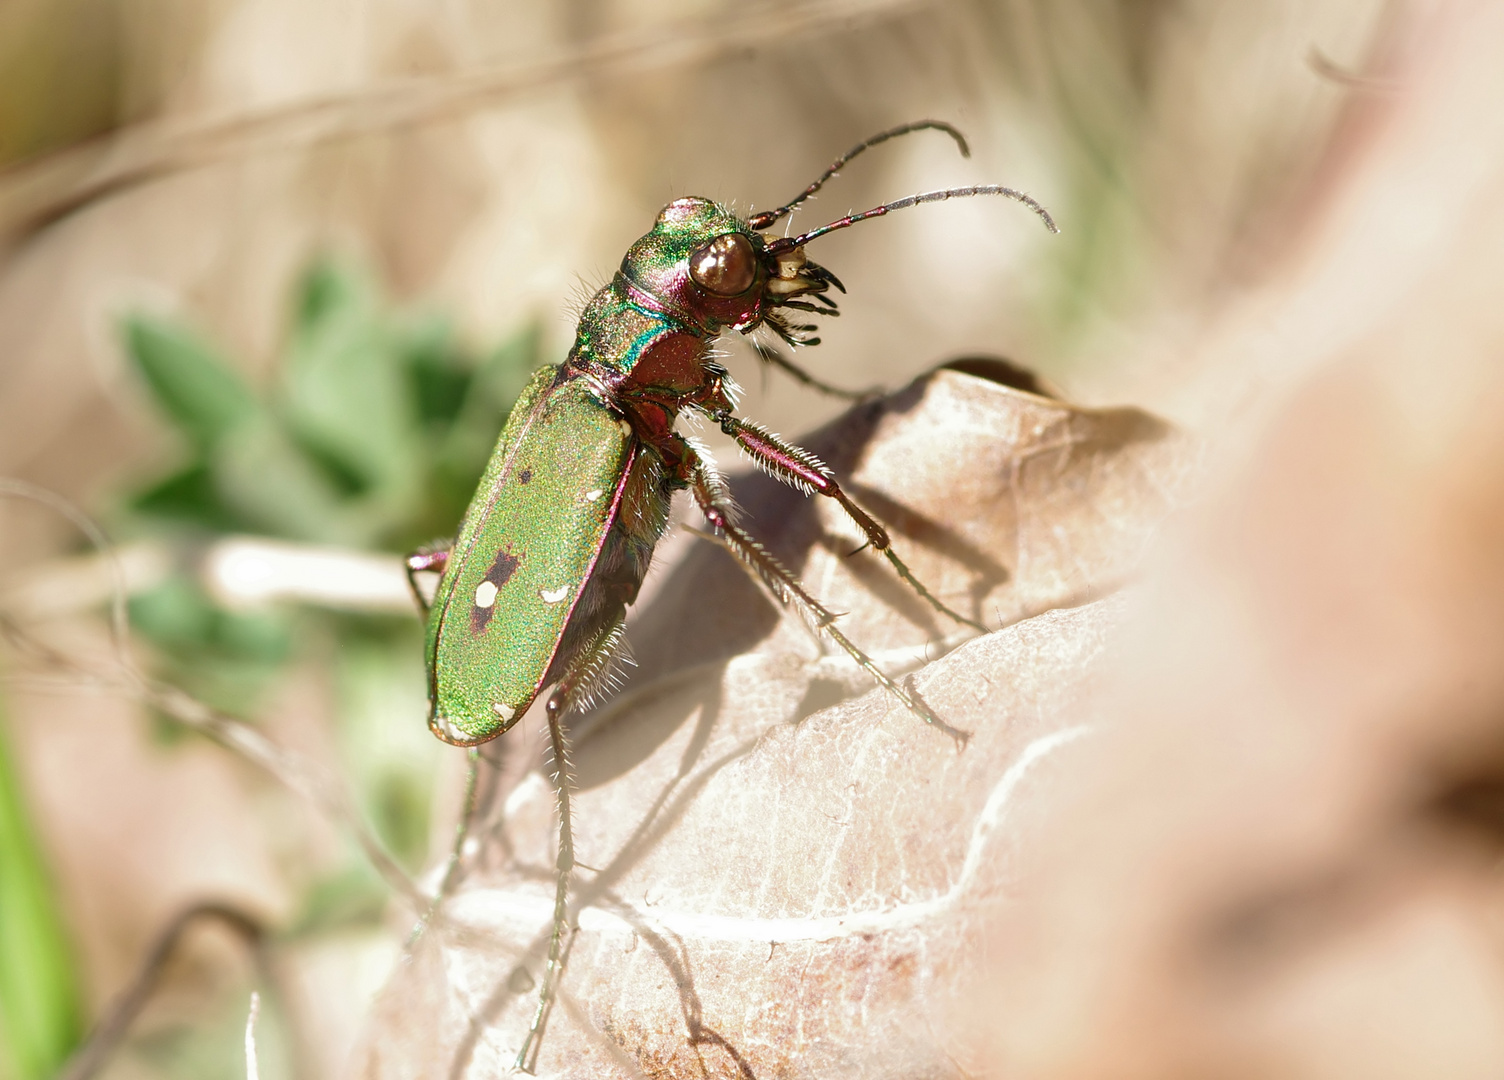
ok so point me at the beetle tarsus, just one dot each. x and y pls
(800, 469)
(558, 706)
(424, 561)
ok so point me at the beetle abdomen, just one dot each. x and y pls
(623, 564)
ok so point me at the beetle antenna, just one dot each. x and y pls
(767, 217)
(788, 243)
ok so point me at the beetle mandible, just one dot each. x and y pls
(557, 540)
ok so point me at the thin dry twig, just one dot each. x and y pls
(252, 1066)
(45, 191)
(291, 769)
(456, 850)
(1329, 69)
(110, 1032)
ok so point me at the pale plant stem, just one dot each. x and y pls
(111, 1030)
(290, 769)
(252, 1067)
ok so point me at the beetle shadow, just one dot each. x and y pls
(987, 573)
(675, 958)
(666, 810)
(874, 574)
(670, 953)
(822, 694)
(711, 610)
(517, 981)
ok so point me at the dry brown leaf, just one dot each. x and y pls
(1280, 854)
(787, 866)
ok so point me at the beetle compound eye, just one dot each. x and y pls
(726, 266)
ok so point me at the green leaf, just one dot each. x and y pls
(355, 896)
(389, 756)
(40, 1011)
(346, 394)
(178, 615)
(175, 615)
(326, 289)
(439, 372)
(225, 658)
(189, 497)
(490, 396)
(204, 396)
(271, 483)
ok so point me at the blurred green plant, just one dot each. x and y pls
(41, 1016)
(371, 433)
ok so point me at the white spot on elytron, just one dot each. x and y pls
(485, 594)
(452, 733)
(553, 596)
(504, 711)
(626, 428)
(591, 496)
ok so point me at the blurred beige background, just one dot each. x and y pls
(1244, 191)
(495, 161)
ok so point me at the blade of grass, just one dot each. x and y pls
(40, 1012)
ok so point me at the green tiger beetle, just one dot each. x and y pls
(555, 544)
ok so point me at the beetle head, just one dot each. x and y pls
(706, 267)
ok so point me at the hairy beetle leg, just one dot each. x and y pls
(424, 562)
(800, 469)
(710, 494)
(578, 682)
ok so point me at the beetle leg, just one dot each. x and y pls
(769, 355)
(581, 680)
(714, 502)
(800, 469)
(420, 561)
